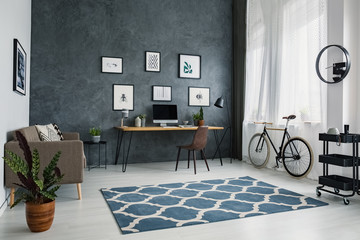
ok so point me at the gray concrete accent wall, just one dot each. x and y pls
(69, 37)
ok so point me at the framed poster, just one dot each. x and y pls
(162, 93)
(189, 66)
(152, 61)
(123, 97)
(199, 96)
(19, 82)
(111, 65)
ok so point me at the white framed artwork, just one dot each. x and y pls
(152, 61)
(189, 66)
(123, 97)
(199, 96)
(111, 65)
(162, 93)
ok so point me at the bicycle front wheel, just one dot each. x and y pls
(297, 157)
(259, 150)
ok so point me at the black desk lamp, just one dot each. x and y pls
(220, 104)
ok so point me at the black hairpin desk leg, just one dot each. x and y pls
(118, 146)
(125, 160)
(218, 145)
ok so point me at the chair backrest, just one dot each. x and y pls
(200, 138)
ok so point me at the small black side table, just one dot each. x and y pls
(88, 144)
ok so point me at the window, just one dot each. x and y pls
(283, 39)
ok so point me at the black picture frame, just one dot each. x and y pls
(152, 61)
(123, 97)
(161, 93)
(112, 65)
(19, 65)
(189, 66)
(199, 96)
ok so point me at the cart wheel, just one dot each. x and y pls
(318, 193)
(346, 201)
(336, 190)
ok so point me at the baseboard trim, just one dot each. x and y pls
(2, 210)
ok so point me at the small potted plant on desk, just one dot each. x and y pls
(143, 119)
(95, 134)
(199, 118)
(37, 193)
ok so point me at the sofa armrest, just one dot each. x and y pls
(71, 162)
(71, 135)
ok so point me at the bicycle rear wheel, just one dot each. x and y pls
(297, 157)
(259, 150)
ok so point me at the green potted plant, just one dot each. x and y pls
(199, 118)
(37, 193)
(143, 119)
(95, 133)
(196, 117)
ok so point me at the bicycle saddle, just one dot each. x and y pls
(290, 117)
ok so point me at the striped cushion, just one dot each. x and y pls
(48, 133)
(58, 131)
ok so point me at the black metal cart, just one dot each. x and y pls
(335, 181)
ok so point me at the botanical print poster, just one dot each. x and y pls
(190, 66)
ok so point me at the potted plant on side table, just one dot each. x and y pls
(95, 134)
(37, 193)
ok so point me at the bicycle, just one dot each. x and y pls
(296, 154)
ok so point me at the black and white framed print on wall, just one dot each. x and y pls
(162, 93)
(152, 61)
(111, 65)
(199, 96)
(123, 97)
(189, 66)
(19, 84)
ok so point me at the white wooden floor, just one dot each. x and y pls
(91, 218)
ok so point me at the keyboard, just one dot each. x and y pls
(186, 126)
(170, 127)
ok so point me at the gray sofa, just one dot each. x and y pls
(71, 162)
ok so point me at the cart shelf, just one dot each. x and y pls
(335, 181)
(344, 138)
(338, 160)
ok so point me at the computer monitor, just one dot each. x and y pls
(164, 114)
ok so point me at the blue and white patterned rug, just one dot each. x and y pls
(152, 207)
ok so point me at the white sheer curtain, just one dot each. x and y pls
(283, 39)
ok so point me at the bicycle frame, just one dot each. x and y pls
(286, 136)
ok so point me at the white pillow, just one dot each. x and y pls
(47, 133)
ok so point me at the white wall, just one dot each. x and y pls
(343, 98)
(351, 43)
(15, 22)
(335, 36)
(351, 98)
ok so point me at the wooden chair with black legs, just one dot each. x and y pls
(198, 144)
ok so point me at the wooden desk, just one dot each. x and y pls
(124, 130)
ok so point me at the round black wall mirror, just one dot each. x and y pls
(332, 64)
